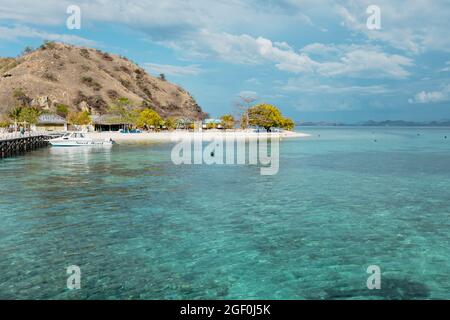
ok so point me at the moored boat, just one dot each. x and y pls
(78, 139)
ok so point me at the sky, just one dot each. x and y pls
(317, 60)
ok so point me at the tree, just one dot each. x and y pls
(62, 110)
(14, 115)
(122, 109)
(288, 124)
(170, 123)
(27, 50)
(211, 125)
(79, 118)
(241, 107)
(29, 115)
(162, 76)
(268, 116)
(149, 118)
(227, 121)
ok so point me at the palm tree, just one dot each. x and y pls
(14, 114)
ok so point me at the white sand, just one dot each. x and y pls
(173, 136)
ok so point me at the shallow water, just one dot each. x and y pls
(140, 227)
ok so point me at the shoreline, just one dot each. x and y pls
(174, 136)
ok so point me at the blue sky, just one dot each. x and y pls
(316, 60)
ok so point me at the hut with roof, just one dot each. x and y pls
(110, 122)
(50, 122)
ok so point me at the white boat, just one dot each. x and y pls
(78, 139)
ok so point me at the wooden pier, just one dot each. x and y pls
(13, 144)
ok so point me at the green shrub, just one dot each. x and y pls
(48, 45)
(88, 81)
(4, 123)
(50, 77)
(125, 83)
(104, 55)
(112, 94)
(21, 97)
(27, 50)
(84, 53)
(79, 118)
(227, 121)
(170, 123)
(62, 110)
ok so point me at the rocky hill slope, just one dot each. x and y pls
(87, 79)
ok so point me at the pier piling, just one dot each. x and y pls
(13, 144)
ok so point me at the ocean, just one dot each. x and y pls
(140, 227)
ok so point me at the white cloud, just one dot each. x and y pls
(367, 62)
(432, 96)
(173, 70)
(254, 81)
(228, 30)
(248, 94)
(26, 32)
(309, 86)
(243, 49)
(415, 27)
(355, 61)
(159, 19)
(447, 68)
(47, 12)
(320, 49)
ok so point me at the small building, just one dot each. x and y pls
(50, 122)
(215, 123)
(184, 123)
(109, 122)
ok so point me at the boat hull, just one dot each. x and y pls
(80, 143)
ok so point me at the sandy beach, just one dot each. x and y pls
(148, 137)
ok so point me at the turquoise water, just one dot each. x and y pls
(140, 227)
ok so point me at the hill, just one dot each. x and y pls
(87, 79)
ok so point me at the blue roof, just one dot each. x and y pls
(215, 121)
